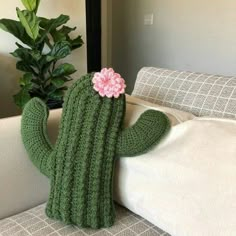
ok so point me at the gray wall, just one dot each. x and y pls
(195, 35)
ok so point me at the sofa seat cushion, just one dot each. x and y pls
(35, 222)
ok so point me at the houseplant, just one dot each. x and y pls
(43, 43)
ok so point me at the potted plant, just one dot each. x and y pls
(43, 43)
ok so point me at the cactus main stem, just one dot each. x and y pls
(83, 158)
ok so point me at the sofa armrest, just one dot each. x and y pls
(22, 186)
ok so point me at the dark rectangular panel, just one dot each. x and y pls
(93, 20)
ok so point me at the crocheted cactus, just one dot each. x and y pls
(81, 163)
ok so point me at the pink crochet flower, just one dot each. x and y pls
(108, 83)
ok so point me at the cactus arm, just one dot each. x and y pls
(143, 135)
(34, 134)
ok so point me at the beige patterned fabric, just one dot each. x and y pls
(35, 222)
(200, 94)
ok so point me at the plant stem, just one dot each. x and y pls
(53, 66)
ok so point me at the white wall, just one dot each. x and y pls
(48, 8)
(195, 35)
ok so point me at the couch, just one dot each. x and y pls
(179, 187)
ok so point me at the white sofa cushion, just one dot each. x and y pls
(186, 184)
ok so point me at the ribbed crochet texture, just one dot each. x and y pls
(81, 164)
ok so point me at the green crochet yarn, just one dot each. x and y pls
(80, 165)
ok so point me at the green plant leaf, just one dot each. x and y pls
(58, 82)
(24, 66)
(26, 81)
(57, 94)
(57, 36)
(45, 65)
(64, 70)
(66, 30)
(22, 98)
(62, 34)
(60, 50)
(36, 55)
(76, 43)
(30, 22)
(37, 5)
(22, 53)
(36, 82)
(30, 5)
(28, 56)
(50, 88)
(15, 28)
(51, 24)
(20, 65)
(47, 41)
(50, 58)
